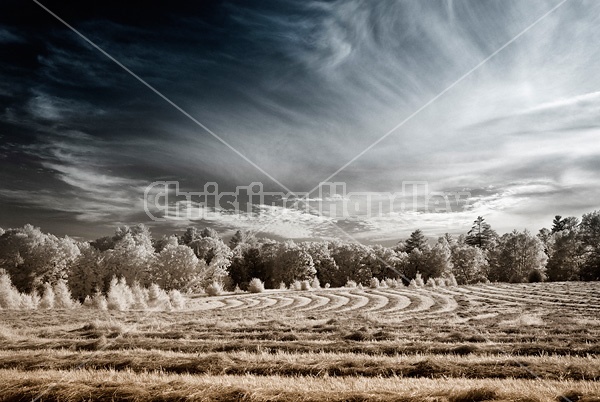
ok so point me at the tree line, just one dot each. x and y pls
(195, 259)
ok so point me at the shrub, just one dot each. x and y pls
(296, 285)
(238, 290)
(30, 301)
(47, 300)
(115, 300)
(419, 280)
(412, 284)
(9, 295)
(383, 284)
(392, 283)
(374, 283)
(327, 285)
(305, 285)
(119, 296)
(431, 283)
(177, 300)
(158, 298)
(62, 295)
(441, 282)
(451, 280)
(535, 276)
(350, 284)
(315, 283)
(282, 286)
(97, 300)
(214, 289)
(359, 286)
(140, 297)
(256, 286)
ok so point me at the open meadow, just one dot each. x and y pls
(517, 342)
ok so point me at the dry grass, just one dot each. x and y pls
(114, 385)
(448, 344)
(311, 364)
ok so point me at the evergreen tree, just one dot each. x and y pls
(566, 256)
(416, 240)
(559, 224)
(590, 237)
(236, 239)
(481, 234)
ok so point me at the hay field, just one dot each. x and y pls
(526, 342)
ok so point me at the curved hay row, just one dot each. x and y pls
(337, 301)
(249, 302)
(298, 302)
(425, 302)
(474, 293)
(415, 301)
(376, 301)
(230, 303)
(317, 302)
(567, 293)
(557, 300)
(444, 303)
(282, 302)
(356, 302)
(265, 303)
(397, 302)
(571, 290)
(205, 305)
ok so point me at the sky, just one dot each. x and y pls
(291, 92)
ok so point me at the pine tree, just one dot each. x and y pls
(481, 234)
(416, 240)
(236, 239)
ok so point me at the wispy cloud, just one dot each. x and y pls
(302, 87)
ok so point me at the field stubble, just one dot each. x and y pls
(493, 342)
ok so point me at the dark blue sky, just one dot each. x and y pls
(299, 88)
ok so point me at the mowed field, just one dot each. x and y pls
(512, 342)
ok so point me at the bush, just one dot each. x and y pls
(140, 297)
(30, 301)
(315, 283)
(214, 289)
(296, 285)
(256, 286)
(62, 295)
(535, 276)
(419, 280)
(98, 301)
(158, 298)
(9, 295)
(392, 283)
(177, 300)
(305, 285)
(440, 282)
(374, 283)
(431, 283)
(327, 285)
(350, 284)
(47, 300)
(451, 280)
(238, 290)
(412, 284)
(282, 286)
(119, 296)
